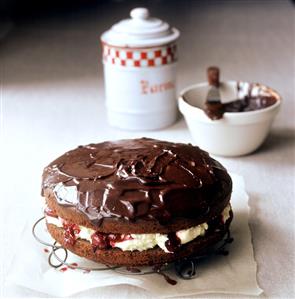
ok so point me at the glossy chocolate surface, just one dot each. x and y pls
(138, 179)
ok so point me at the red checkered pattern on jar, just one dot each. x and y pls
(151, 57)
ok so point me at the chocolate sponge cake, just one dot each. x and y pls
(137, 202)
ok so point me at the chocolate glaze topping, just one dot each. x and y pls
(138, 179)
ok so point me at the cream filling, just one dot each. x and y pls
(142, 242)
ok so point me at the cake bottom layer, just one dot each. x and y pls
(154, 256)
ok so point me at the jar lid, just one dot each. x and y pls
(140, 30)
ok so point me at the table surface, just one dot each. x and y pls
(52, 99)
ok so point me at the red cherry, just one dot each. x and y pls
(99, 241)
(71, 230)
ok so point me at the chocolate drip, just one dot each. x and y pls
(168, 279)
(173, 242)
(141, 178)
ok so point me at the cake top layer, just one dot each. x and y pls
(138, 179)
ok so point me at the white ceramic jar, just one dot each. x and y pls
(139, 57)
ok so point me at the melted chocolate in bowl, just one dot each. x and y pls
(139, 178)
(254, 97)
(215, 110)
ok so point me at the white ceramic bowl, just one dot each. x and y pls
(237, 133)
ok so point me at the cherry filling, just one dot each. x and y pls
(70, 232)
(99, 241)
(173, 242)
(114, 238)
(49, 212)
(106, 241)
